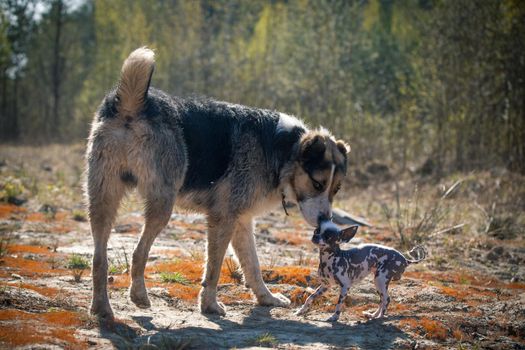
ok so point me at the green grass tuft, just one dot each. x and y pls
(173, 277)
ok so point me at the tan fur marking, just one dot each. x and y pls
(134, 80)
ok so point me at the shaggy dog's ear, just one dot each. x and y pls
(348, 233)
(313, 147)
(343, 147)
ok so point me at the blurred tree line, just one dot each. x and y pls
(402, 81)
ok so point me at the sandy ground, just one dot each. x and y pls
(469, 293)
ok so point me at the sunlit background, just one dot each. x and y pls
(402, 81)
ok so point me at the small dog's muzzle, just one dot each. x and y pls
(316, 238)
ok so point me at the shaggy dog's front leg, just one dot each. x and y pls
(220, 231)
(244, 245)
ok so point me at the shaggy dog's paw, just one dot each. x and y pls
(139, 296)
(102, 312)
(140, 301)
(214, 308)
(208, 303)
(274, 299)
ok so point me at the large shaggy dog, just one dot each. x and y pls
(229, 161)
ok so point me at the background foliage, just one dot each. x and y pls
(403, 81)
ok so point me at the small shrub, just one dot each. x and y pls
(10, 189)
(173, 277)
(79, 215)
(120, 264)
(233, 270)
(412, 222)
(265, 340)
(77, 264)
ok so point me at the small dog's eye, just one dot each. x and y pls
(337, 188)
(317, 185)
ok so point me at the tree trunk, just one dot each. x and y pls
(57, 67)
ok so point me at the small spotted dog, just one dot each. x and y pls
(348, 267)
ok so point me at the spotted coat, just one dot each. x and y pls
(348, 267)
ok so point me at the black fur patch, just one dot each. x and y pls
(283, 147)
(108, 107)
(208, 137)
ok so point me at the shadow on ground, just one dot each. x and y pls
(225, 333)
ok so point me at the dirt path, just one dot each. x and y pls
(469, 293)
(430, 309)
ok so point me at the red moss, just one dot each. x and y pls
(425, 326)
(15, 249)
(288, 274)
(21, 328)
(398, 307)
(184, 292)
(434, 329)
(36, 217)
(6, 210)
(409, 323)
(30, 268)
(298, 296)
(235, 296)
(191, 269)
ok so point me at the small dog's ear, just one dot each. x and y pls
(348, 233)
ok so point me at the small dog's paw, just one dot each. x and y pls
(368, 314)
(300, 312)
(332, 318)
(274, 299)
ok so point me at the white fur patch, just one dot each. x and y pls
(328, 225)
(311, 208)
(288, 122)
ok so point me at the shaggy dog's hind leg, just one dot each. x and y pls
(105, 191)
(158, 208)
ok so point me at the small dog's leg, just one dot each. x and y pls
(381, 285)
(244, 245)
(158, 206)
(385, 300)
(219, 235)
(318, 292)
(342, 296)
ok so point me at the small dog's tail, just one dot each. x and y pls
(418, 253)
(135, 78)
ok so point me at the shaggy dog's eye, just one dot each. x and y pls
(337, 188)
(317, 185)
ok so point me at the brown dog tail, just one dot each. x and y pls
(418, 254)
(135, 78)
